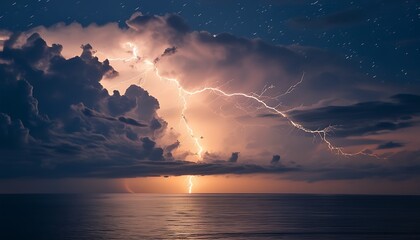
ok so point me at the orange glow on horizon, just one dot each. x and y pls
(258, 183)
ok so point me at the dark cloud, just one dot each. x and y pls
(361, 141)
(169, 26)
(54, 112)
(397, 166)
(389, 145)
(368, 171)
(376, 128)
(156, 124)
(94, 114)
(146, 106)
(140, 169)
(363, 118)
(56, 120)
(12, 133)
(275, 159)
(168, 52)
(234, 157)
(172, 146)
(174, 22)
(211, 157)
(118, 104)
(178, 23)
(131, 122)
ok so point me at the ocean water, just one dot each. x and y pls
(208, 216)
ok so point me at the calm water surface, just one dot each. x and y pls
(237, 216)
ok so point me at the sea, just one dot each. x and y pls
(208, 216)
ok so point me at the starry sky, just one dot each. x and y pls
(69, 115)
(380, 36)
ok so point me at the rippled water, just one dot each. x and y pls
(237, 216)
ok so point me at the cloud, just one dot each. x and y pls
(56, 120)
(54, 111)
(167, 52)
(363, 118)
(211, 157)
(168, 27)
(13, 134)
(389, 145)
(234, 157)
(173, 22)
(172, 146)
(375, 171)
(275, 159)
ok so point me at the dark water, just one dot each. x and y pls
(138, 216)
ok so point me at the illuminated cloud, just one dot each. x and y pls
(67, 122)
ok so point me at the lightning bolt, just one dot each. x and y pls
(189, 129)
(322, 133)
(127, 187)
(258, 98)
(183, 93)
(190, 184)
(134, 50)
(291, 88)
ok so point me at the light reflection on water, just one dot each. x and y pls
(206, 216)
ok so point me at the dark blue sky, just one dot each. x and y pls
(382, 37)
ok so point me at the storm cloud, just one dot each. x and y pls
(57, 119)
(55, 112)
(364, 118)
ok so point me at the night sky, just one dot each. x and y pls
(332, 95)
(381, 36)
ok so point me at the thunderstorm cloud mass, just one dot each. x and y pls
(155, 95)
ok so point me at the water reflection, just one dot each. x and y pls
(198, 216)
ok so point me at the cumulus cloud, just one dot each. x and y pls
(56, 120)
(13, 134)
(275, 159)
(234, 157)
(55, 110)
